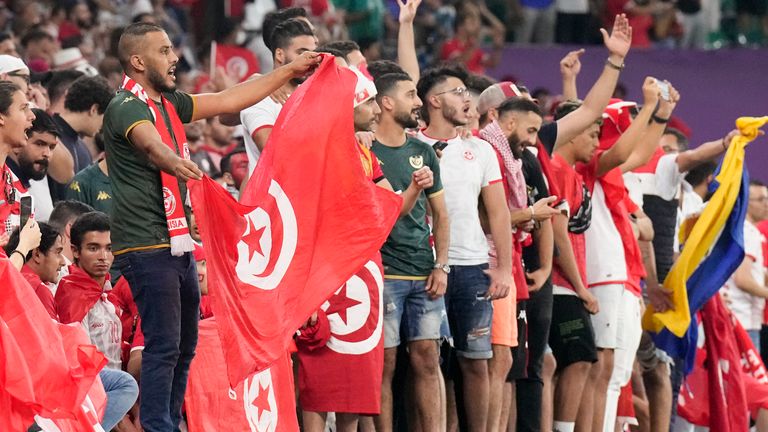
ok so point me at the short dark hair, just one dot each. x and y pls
(387, 82)
(331, 51)
(87, 91)
(88, 222)
(129, 41)
(519, 104)
(60, 81)
(754, 182)
(682, 140)
(4, 36)
(7, 89)
(43, 123)
(378, 68)
(478, 83)
(35, 34)
(287, 30)
(345, 46)
(226, 162)
(272, 19)
(698, 174)
(434, 76)
(48, 236)
(566, 107)
(67, 211)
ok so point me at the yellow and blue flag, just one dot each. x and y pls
(711, 253)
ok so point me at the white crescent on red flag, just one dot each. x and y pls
(309, 218)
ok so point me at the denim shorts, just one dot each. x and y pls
(469, 312)
(407, 306)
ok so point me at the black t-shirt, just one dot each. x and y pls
(537, 189)
(548, 136)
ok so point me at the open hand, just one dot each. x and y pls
(408, 10)
(620, 39)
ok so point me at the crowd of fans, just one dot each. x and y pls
(533, 232)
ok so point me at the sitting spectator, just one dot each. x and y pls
(82, 295)
(42, 264)
(39, 47)
(8, 45)
(57, 87)
(218, 140)
(465, 48)
(92, 186)
(63, 216)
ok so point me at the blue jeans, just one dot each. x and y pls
(409, 309)
(469, 312)
(122, 392)
(168, 298)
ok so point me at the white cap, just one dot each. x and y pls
(72, 58)
(365, 88)
(9, 63)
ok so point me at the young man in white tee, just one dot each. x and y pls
(470, 175)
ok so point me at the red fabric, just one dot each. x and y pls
(615, 199)
(345, 375)
(76, 295)
(262, 402)
(45, 368)
(650, 167)
(240, 63)
(138, 339)
(316, 8)
(569, 184)
(41, 290)
(625, 411)
(307, 220)
(16, 188)
(122, 298)
(314, 337)
(370, 163)
(546, 168)
(206, 307)
(454, 48)
(716, 372)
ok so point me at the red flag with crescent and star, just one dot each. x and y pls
(263, 402)
(308, 219)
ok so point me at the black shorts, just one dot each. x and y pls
(520, 352)
(571, 336)
(751, 7)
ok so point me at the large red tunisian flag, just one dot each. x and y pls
(308, 220)
(265, 401)
(46, 369)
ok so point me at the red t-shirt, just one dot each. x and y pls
(454, 48)
(763, 227)
(370, 164)
(571, 187)
(41, 290)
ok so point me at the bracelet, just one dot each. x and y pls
(533, 212)
(608, 62)
(23, 257)
(658, 119)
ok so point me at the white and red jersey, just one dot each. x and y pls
(262, 115)
(10, 208)
(748, 308)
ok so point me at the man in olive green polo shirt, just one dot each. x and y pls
(164, 286)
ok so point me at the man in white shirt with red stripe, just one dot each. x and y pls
(470, 174)
(746, 288)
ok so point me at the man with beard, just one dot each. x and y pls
(31, 161)
(147, 157)
(471, 175)
(414, 278)
(515, 128)
(289, 40)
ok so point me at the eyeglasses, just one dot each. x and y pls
(19, 75)
(458, 91)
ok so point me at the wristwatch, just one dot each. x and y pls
(444, 267)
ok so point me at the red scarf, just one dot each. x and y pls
(76, 295)
(178, 229)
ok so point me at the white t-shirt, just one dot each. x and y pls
(263, 114)
(664, 182)
(572, 6)
(748, 308)
(605, 251)
(43, 202)
(467, 166)
(691, 205)
(105, 329)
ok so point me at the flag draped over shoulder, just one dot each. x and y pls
(46, 369)
(307, 221)
(262, 402)
(711, 253)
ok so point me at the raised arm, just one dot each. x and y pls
(649, 142)
(619, 153)
(707, 151)
(599, 95)
(406, 44)
(570, 66)
(245, 94)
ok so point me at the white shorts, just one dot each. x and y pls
(618, 321)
